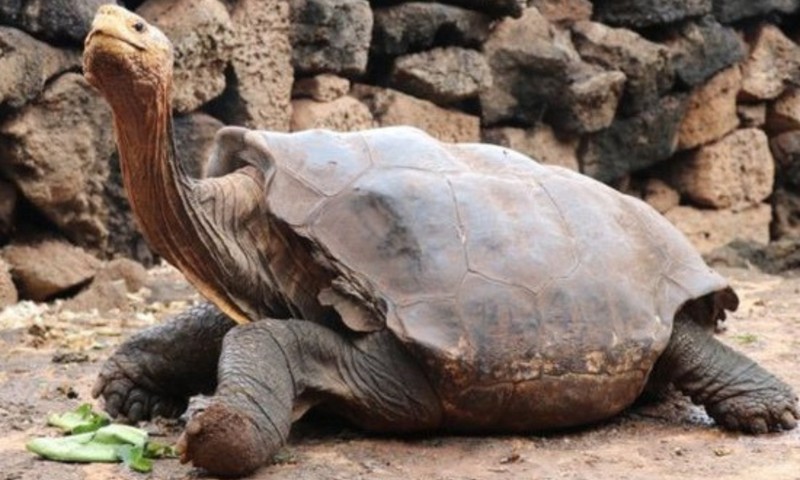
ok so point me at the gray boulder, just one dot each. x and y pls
(61, 21)
(330, 36)
(728, 11)
(702, 48)
(442, 75)
(415, 26)
(634, 143)
(646, 13)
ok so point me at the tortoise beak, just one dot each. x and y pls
(111, 23)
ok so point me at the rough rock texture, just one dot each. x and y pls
(8, 291)
(644, 13)
(710, 229)
(201, 33)
(563, 12)
(9, 198)
(26, 64)
(734, 172)
(322, 88)
(330, 36)
(752, 114)
(711, 111)
(49, 268)
(56, 151)
(390, 107)
(634, 143)
(701, 48)
(110, 287)
(442, 75)
(539, 143)
(785, 218)
(774, 62)
(535, 69)
(414, 26)
(194, 140)
(784, 113)
(660, 195)
(645, 64)
(259, 86)
(588, 101)
(62, 21)
(785, 150)
(345, 114)
(732, 10)
(495, 8)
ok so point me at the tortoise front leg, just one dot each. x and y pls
(156, 371)
(273, 371)
(736, 392)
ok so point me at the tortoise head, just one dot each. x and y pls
(124, 56)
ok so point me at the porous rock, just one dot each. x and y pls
(660, 195)
(8, 291)
(194, 141)
(588, 101)
(322, 88)
(784, 113)
(8, 208)
(201, 33)
(646, 64)
(785, 149)
(330, 36)
(61, 21)
(442, 75)
(493, 8)
(415, 26)
(752, 114)
(709, 229)
(711, 112)
(49, 268)
(110, 288)
(563, 12)
(785, 213)
(390, 107)
(728, 11)
(734, 172)
(535, 68)
(259, 90)
(56, 151)
(645, 13)
(344, 114)
(540, 143)
(26, 64)
(634, 143)
(773, 63)
(701, 48)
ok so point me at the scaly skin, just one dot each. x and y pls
(736, 392)
(156, 371)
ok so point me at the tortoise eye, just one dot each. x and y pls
(139, 27)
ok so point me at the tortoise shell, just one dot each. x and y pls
(524, 289)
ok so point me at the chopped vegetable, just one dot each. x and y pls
(94, 440)
(81, 420)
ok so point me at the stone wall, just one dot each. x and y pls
(693, 106)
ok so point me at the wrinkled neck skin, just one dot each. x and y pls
(158, 189)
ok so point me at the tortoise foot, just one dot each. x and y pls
(130, 395)
(768, 409)
(224, 442)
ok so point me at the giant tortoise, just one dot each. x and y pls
(403, 283)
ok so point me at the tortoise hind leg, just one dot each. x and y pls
(272, 371)
(156, 371)
(736, 392)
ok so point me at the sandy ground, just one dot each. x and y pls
(49, 358)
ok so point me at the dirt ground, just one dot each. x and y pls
(49, 358)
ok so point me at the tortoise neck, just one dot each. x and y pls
(157, 186)
(161, 193)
